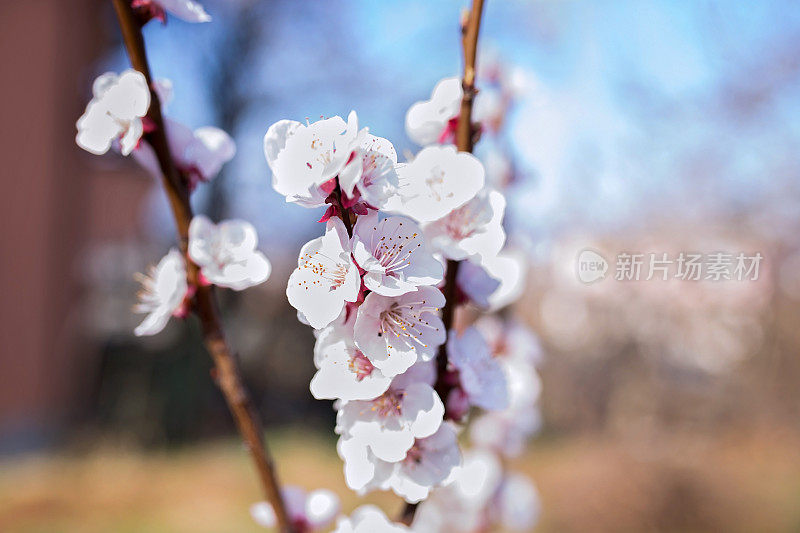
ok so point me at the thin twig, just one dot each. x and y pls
(226, 369)
(343, 213)
(465, 139)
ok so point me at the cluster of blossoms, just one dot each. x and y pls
(117, 118)
(492, 362)
(370, 286)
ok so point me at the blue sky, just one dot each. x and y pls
(686, 104)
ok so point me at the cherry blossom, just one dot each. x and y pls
(226, 253)
(163, 294)
(307, 511)
(368, 519)
(304, 159)
(517, 506)
(479, 496)
(371, 172)
(198, 154)
(461, 504)
(433, 121)
(510, 340)
(474, 229)
(500, 171)
(394, 332)
(427, 464)
(187, 10)
(509, 267)
(393, 255)
(476, 283)
(114, 113)
(390, 423)
(480, 375)
(437, 181)
(344, 372)
(363, 471)
(325, 277)
(507, 431)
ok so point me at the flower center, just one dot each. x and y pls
(322, 155)
(414, 455)
(464, 221)
(360, 366)
(405, 320)
(435, 183)
(326, 268)
(394, 251)
(390, 403)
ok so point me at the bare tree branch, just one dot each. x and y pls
(226, 369)
(465, 140)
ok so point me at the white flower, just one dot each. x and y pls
(507, 431)
(368, 519)
(305, 158)
(187, 10)
(498, 165)
(517, 504)
(199, 154)
(226, 253)
(325, 277)
(392, 253)
(480, 375)
(476, 284)
(390, 423)
(362, 470)
(509, 267)
(371, 170)
(438, 180)
(474, 229)
(114, 113)
(510, 340)
(461, 504)
(344, 372)
(432, 121)
(395, 332)
(307, 511)
(428, 463)
(163, 293)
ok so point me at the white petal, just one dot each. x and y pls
(202, 233)
(187, 10)
(96, 129)
(212, 149)
(438, 180)
(321, 507)
(263, 514)
(476, 283)
(153, 323)
(426, 120)
(276, 137)
(519, 504)
(423, 406)
(325, 277)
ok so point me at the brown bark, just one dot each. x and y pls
(465, 139)
(227, 373)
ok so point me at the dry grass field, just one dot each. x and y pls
(745, 482)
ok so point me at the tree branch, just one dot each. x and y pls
(226, 369)
(465, 140)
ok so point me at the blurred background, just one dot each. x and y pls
(651, 126)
